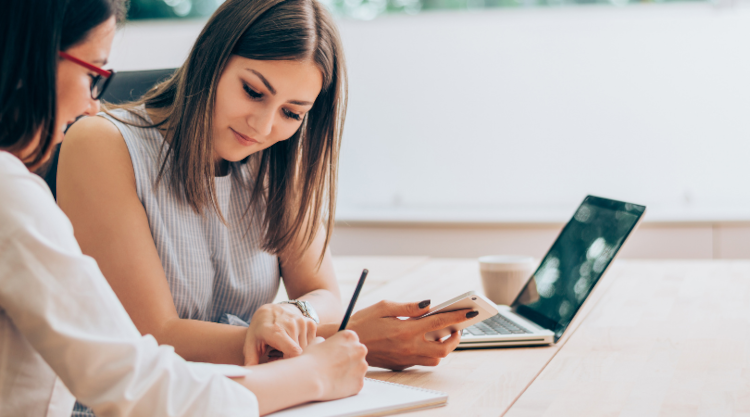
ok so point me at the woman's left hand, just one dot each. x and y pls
(278, 326)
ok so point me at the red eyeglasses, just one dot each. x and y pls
(100, 82)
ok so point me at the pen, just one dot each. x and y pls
(354, 300)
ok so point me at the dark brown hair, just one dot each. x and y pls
(32, 32)
(295, 179)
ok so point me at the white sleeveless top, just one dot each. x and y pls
(216, 272)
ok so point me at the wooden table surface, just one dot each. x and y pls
(656, 338)
(667, 339)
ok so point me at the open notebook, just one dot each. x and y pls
(377, 398)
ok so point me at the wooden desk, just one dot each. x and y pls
(480, 382)
(656, 338)
(667, 339)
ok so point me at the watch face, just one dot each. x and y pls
(308, 308)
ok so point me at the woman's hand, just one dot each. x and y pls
(398, 344)
(277, 326)
(327, 370)
(339, 363)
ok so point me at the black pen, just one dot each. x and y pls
(354, 300)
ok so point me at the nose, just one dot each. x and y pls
(93, 108)
(262, 122)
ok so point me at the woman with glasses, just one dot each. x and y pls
(63, 332)
(99, 81)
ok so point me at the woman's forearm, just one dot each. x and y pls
(326, 330)
(201, 341)
(326, 304)
(273, 382)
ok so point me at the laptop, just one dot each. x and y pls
(570, 270)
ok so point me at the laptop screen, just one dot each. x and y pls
(576, 261)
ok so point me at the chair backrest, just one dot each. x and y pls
(125, 86)
(131, 85)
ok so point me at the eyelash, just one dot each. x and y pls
(256, 96)
(252, 93)
(292, 115)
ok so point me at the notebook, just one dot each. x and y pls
(377, 398)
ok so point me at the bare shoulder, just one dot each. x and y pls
(93, 134)
(94, 125)
(94, 146)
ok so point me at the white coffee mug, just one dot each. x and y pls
(503, 276)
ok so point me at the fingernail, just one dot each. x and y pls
(424, 303)
(472, 314)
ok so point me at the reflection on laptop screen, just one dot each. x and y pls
(576, 261)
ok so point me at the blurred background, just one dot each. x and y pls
(477, 126)
(362, 9)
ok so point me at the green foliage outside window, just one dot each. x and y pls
(360, 9)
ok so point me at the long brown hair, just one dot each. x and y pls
(32, 32)
(295, 179)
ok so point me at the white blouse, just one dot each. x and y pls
(64, 333)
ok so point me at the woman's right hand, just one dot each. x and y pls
(326, 370)
(399, 344)
(339, 363)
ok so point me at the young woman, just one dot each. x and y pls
(63, 332)
(198, 198)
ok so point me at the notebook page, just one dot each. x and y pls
(376, 398)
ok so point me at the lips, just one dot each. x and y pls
(242, 139)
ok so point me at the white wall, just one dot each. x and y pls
(509, 109)
(515, 110)
(462, 124)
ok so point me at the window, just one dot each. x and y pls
(363, 9)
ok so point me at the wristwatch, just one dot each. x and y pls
(305, 307)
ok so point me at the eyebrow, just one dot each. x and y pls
(100, 62)
(273, 90)
(265, 81)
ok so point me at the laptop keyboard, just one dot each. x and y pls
(495, 325)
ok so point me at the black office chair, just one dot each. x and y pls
(125, 86)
